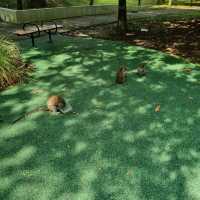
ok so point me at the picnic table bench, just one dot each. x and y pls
(34, 30)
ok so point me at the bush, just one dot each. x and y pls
(12, 69)
(8, 3)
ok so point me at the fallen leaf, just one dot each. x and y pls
(187, 70)
(37, 91)
(144, 30)
(129, 173)
(157, 109)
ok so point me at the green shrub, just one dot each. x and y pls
(8, 3)
(12, 69)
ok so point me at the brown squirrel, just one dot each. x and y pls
(55, 104)
(141, 71)
(121, 75)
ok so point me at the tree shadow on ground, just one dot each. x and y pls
(117, 147)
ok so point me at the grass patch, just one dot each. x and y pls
(9, 72)
(167, 15)
(12, 69)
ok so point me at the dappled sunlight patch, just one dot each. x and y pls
(22, 156)
(76, 70)
(105, 67)
(131, 51)
(190, 121)
(84, 80)
(84, 194)
(193, 183)
(38, 183)
(132, 152)
(33, 189)
(42, 64)
(40, 84)
(59, 154)
(113, 105)
(159, 87)
(17, 102)
(87, 176)
(198, 113)
(108, 122)
(141, 134)
(80, 147)
(66, 137)
(117, 92)
(7, 181)
(159, 156)
(168, 120)
(88, 62)
(157, 64)
(174, 67)
(33, 52)
(57, 60)
(142, 109)
(11, 131)
(52, 72)
(107, 55)
(156, 126)
(192, 79)
(129, 136)
(97, 103)
(140, 80)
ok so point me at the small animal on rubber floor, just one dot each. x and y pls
(121, 75)
(141, 71)
(55, 104)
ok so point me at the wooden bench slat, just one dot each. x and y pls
(25, 32)
(34, 30)
(49, 27)
(37, 29)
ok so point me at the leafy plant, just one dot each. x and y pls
(12, 69)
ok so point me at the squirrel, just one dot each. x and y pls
(55, 104)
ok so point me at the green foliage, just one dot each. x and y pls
(10, 72)
(8, 3)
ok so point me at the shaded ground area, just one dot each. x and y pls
(175, 31)
(118, 147)
(177, 37)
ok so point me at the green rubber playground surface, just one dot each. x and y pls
(118, 147)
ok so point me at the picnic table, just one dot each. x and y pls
(34, 30)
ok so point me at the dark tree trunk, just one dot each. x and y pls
(37, 4)
(91, 2)
(19, 5)
(122, 17)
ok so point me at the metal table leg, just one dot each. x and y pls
(49, 33)
(32, 38)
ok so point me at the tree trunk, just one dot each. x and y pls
(139, 3)
(122, 17)
(37, 4)
(170, 3)
(19, 5)
(91, 2)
